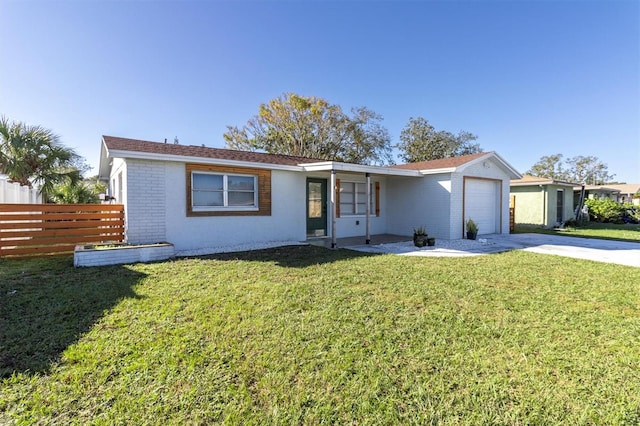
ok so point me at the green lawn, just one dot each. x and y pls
(308, 335)
(607, 231)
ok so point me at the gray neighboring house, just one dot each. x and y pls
(627, 192)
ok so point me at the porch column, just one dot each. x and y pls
(332, 206)
(368, 210)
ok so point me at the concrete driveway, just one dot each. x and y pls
(622, 253)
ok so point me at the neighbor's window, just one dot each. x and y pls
(353, 198)
(216, 191)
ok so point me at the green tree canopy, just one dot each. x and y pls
(312, 127)
(34, 155)
(579, 169)
(420, 141)
(549, 166)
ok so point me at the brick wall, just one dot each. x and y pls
(145, 201)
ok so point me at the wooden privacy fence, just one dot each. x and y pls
(512, 213)
(37, 230)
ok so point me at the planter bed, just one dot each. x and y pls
(117, 254)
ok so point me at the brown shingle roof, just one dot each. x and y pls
(123, 144)
(443, 163)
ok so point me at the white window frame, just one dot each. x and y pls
(356, 200)
(225, 193)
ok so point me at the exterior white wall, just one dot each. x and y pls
(154, 195)
(286, 223)
(355, 225)
(456, 214)
(414, 202)
(436, 201)
(145, 195)
(487, 169)
(118, 166)
(14, 193)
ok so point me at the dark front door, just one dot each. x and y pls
(316, 207)
(559, 205)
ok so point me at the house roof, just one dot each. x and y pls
(458, 164)
(442, 163)
(132, 148)
(536, 180)
(113, 147)
(133, 145)
(597, 188)
(627, 188)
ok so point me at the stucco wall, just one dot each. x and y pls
(118, 166)
(154, 195)
(286, 223)
(537, 205)
(530, 205)
(415, 202)
(355, 225)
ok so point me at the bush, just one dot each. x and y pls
(605, 210)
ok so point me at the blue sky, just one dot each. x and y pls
(529, 78)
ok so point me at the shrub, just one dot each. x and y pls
(608, 211)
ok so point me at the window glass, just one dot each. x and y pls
(315, 200)
(240, 183)
(207, 198)
(206, 182)
(353, 198)
(222, 191)
(241, 198)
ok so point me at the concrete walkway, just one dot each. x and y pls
(619, 252)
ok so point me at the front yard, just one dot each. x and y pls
(308, 335)
(607, 231)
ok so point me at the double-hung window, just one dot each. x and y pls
(223, 191)
(353, 198)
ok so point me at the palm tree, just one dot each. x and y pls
(82, 192)
(34, 155)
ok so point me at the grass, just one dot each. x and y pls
(607, 231)
(308, 335)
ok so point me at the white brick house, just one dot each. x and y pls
(197, 197)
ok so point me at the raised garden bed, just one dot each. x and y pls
(121, 253)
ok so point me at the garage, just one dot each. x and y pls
(482, 204)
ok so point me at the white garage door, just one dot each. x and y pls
(482, 204)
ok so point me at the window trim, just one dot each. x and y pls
(225, 193)
(375, 199)
(262, 191)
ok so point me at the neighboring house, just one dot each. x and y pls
(627, 192)
(595, 192)
(197, 197)
(542, 201)
(14, 193)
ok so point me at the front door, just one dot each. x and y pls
(316, 207)
(559, 206)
